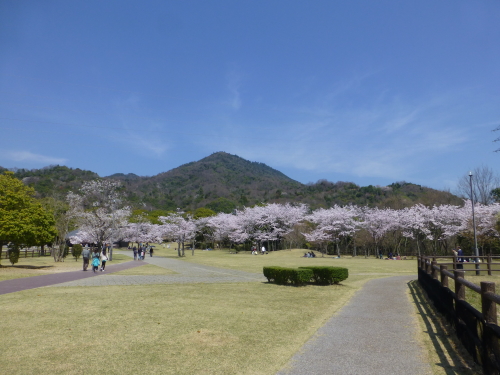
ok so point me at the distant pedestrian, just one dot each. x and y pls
(86, 257)
(263, 250)
(95, 260)
(104, 259)
(460, 259)
(135, 253)
(151, 251)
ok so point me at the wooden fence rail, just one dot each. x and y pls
(486, 260)
(27, 252)
(477, 330)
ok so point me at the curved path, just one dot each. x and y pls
(16, 285)
(185, 272)
(373, 334)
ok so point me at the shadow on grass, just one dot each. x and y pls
(453, 358)
(27, 267)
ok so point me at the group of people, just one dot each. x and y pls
(99, 258)
(459, 253)
(141, 251)
(309, 254)
(262, 250)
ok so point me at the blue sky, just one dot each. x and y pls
(371, 92)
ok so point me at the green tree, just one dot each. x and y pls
(203, 212)
(23, 220)
(222, 205)
(64, 223)
(76, 251)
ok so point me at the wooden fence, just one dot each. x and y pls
(27, 252)
(477, 330)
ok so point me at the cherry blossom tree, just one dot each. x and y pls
(95, 209)
(179, 228)
(332, 224)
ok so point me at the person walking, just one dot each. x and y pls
(135, 253)
(263, 250)
(460, 255)
(104, 259)
(86, 257)
(151, 251)
(95, 259)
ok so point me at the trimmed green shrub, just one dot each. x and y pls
(283, 276)
(13, 253)
(76, 251)
(300, 276)
(328, 275)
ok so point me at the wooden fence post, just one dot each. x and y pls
(489, 265)
(434, 272)
(454, 262)
(490, 342)
(489, 308)
(459, 288)
(444, 278)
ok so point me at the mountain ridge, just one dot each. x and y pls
(223, 182)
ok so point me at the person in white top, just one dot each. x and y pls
(263, 250)
(104, 258)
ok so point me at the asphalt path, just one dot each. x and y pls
(375, 333)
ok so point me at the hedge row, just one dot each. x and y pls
(303, 275)
(328, 275)
(283, 276)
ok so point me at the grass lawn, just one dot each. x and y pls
(244, 261)
(36, 266)
(240, 328)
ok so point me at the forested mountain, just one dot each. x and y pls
(223, 182)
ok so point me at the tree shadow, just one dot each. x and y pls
(453, 358)
(28, 267)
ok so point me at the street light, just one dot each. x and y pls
(476, 251)
(113, 230)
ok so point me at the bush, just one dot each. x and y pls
(283, 276)
(328, 275)
(76, 251)
(13, 254)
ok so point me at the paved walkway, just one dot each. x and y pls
(186, 272)
(373, 334)
(16, 285)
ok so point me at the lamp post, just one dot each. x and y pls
(476, 251)
(113, 231)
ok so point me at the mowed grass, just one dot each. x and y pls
(240, 328)
(244, 261)
(37, 266)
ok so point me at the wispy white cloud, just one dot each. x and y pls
(393, 140)
(27, 156)
(233, 85)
